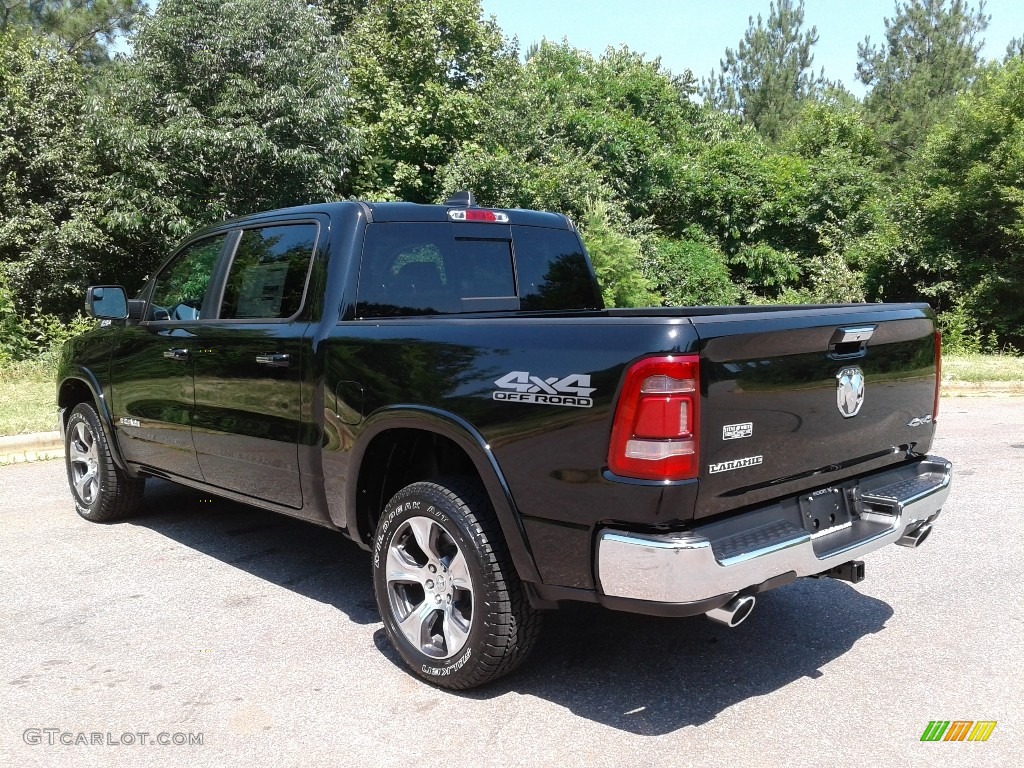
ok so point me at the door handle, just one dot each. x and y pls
(176, 354)
(279, 360)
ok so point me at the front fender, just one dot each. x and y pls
(465, 435)
(77, 377)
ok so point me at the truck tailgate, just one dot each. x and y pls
(800, 398)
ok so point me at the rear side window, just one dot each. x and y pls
(180, 288)
(268, 273)
(417, 268)
(553, 271)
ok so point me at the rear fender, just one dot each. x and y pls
(475, 446)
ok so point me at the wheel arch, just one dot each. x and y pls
(83, 387)
(434, 443)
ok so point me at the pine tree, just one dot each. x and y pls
(85, 29)
(929, 56)
(766, 78)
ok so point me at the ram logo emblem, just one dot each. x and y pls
(850, 391)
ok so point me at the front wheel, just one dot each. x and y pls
(102, 492)
(446, 588)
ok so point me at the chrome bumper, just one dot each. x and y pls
(714, 561)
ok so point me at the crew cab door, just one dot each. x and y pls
(152, 393)
(249, 364)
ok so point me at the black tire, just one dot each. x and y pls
(102, 492)
(465, 636)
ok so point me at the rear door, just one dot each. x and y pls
(799, 398)
(250, 363)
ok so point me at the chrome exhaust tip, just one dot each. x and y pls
(916, 537)
(733, 613)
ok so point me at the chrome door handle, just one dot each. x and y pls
(280, 360)
(176, 354)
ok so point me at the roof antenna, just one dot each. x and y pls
(462, 198)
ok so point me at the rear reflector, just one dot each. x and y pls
(478, 214)
(655, 431)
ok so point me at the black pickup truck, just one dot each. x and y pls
(442, 384)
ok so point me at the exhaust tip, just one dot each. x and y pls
(915, 538)
(733, 613)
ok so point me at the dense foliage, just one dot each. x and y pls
(779, 187)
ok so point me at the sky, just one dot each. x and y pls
(693, 34)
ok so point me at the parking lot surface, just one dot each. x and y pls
(256, 634)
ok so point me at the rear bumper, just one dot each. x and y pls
(689, 572)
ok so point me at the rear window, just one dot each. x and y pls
(553, 271)
(442, 268)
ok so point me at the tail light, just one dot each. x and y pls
(938, 374)
(655, 431)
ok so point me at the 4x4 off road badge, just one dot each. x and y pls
(850, 391)
(519, 386)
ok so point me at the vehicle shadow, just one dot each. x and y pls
(300, 556)
(639, 674)
(650, 676)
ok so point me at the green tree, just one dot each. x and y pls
(418, 69)
(617, 259)
(692, 272)
(569, 127)
(969, 189)
(930, 55)
(50, 234)
(226, 108)
(765, 79)
(85, 29)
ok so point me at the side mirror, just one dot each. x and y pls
(106, 302)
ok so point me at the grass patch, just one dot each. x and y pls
(976, 369)
(27, 398)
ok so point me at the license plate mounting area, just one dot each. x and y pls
(825, 511)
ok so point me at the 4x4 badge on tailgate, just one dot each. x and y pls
(850, 391)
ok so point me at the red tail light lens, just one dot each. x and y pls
(655, 431)
(938, 374)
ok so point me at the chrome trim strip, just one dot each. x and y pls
(682, 568)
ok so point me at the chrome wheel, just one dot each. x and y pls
(85, 463)
(429, 588)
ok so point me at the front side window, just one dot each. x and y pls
(180, 288)
(267, 278)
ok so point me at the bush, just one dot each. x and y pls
(691, 273)
(35, 338)
(617, 260)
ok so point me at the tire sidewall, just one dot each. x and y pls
(418, 501)
(85, 415)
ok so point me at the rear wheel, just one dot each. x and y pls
(446, 588)
(102, 492)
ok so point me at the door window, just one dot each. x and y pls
(181, 287)
(268, 274)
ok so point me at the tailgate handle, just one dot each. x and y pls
(850, 342)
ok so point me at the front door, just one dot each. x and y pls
(151, 373)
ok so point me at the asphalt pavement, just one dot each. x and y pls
(257, 635)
